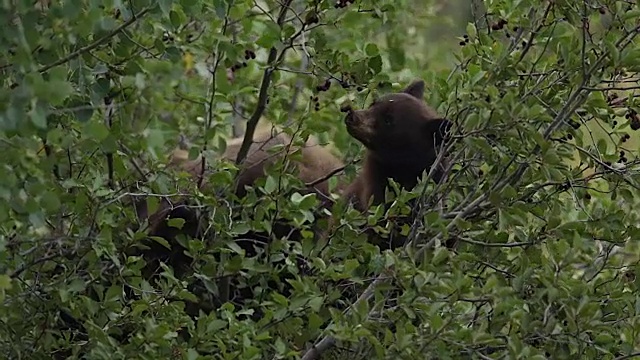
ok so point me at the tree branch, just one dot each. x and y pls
(96, 43)
(328, 341)
(264, 89)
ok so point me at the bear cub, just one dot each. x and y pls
(402, 136)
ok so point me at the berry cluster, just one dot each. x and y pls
(343, 3)
(325, 86)
(466, 40)
(566, 137)
(237, 66)
(634, 120)
(499, 25)
(623, 159)
(167, 37)
(625, 137)
(316, 102)
(574, 124)
(248, 55)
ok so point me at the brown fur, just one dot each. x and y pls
(316, 162)
(401, 134)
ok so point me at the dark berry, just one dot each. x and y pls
(602, 11)
(466, 36)
(615, 123)
(480, 173)
(587, 196)
(462, 43)
(359, 88)
(244, 64)
(569, 136)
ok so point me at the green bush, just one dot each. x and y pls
(541, 195)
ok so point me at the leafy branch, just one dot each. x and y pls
(98, 42)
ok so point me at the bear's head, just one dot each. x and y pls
(400, 128)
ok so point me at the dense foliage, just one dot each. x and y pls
(541, 194)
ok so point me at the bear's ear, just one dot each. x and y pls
(415, 89)
(438, 130)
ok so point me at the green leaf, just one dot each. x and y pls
(165, 6)
(50, 201)
(161, 241)
(84, 112)
(216, 325)
(371, 50)
(38, 115)
(192, 354)
(57, 92)
(471, 30)
(630, 58)
(176, 222)
(95, 130)
(270, 35)
(177, 18)
(235, 247)
(220, 7)
(270, 185)
(152, 204)
(375, 64)
(303, 202)
(5, 282)
(155, 138)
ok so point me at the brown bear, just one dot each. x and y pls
(402, 135)
(313, 166)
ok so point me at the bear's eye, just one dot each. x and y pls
(388, 120)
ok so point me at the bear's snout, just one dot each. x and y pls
(350, 118)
